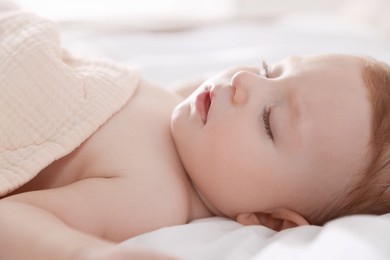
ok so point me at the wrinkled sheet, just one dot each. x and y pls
(355, 237)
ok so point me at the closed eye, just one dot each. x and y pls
(266, 120)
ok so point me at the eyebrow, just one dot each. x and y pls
(296, 113)
(295, 106)
(293, 100)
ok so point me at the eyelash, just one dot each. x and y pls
(266, 111)
(264, 70)
(266, 118)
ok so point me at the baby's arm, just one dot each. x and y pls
(46, 224)
(29, 232)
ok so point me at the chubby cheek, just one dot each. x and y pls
(228, 173)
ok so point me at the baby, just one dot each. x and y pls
(298, 142)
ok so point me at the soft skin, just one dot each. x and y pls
(320, 121)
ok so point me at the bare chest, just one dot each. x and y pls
(137, 140)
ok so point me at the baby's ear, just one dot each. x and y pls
(278, 219)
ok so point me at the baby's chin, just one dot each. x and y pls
(183, 109)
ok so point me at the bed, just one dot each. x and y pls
(182, 50)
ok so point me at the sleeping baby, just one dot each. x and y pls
(281, 145)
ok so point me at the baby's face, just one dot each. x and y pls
(294, 137)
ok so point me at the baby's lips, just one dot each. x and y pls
(203, 102)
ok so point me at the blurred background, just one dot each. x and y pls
(177, 39)
(202, 9)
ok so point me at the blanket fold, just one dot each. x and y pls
(50, 102)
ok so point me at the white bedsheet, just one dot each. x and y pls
(355, 237)
(171, 56)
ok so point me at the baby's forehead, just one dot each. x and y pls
(337, 64)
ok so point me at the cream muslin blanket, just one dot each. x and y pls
(50, 102)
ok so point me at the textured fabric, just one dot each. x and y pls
(50, 102)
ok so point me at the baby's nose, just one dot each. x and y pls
(241, 83)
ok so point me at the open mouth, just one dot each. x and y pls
(203, 102)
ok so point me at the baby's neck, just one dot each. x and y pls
(198, 206)
(206, 204)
